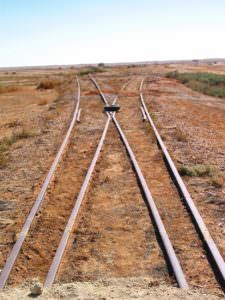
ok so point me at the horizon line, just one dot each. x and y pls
(80, 65)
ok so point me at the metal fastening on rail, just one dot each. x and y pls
(112, 108)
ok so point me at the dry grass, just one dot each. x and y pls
(23, 134)
(90, 70)
(49, 84)
(13, 124)
(8, 89)
(198, 170)
(217, 181)
(180, 135)
(207, 83)
(6, 142)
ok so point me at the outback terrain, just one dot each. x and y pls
(114, 250)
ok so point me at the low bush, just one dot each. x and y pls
(217, 181)
(207, 83)
(48, 84)
(198, 170)
(90, 70)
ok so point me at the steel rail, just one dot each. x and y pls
(22, 235)
(64, 240)
(62, 245)
(178, 272)
(207, 238)
(144, 118)
(78, 115)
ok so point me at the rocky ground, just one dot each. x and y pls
(118, 289)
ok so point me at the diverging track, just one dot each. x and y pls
(178, 223)
(91, 221)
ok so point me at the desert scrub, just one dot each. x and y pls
(198, 170)
(49, 84)
(206, 83)
(90, 70)
(217, 181)
(7, 89)
(6, 142)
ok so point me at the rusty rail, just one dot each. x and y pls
(63, 242)
(62, 245)
(22, 235)
(212, 248)
(78, 115)
(144, 118)
(178, 272)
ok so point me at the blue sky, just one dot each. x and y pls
(45, 32)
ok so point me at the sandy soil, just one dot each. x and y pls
(142, 288)
(115, 237)
(44, 114)
(45, 233)
(184, 238)
(201, 119)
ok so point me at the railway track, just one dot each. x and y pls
(186, 243)
(199, 223)
(40, 234)
(72, 237)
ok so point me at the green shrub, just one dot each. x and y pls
(207, 83)
(90, 70)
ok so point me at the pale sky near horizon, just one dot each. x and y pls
(47, 32)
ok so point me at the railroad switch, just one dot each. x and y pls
(112, 108)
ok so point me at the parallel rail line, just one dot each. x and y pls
(39, 200)
(69, 227)
(207, 238)
(62, 245)
(175, 264)
(171, 255)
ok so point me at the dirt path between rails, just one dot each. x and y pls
(44, 236)
(28, 159)
(201, 120)
(114, 237)
(175, 217)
